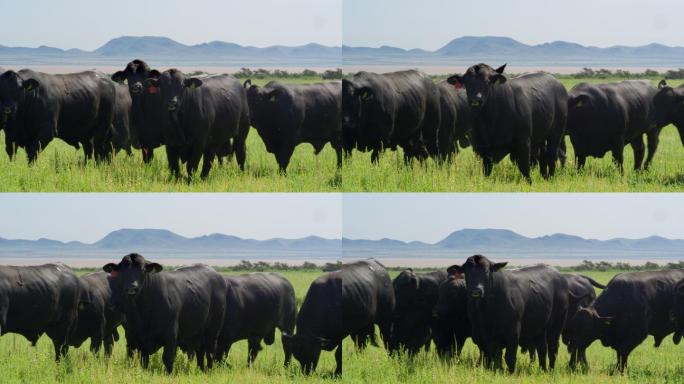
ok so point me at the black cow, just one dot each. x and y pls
(257, 304)
(183, 308)
(286, 115)
(97, 318)
(606, 117)
(633, 306)
(120, 134)
(582, 294)
(451, 325)
(147, 113)
(524, 307)
(382, 111)
(77, 108)
(204, 118)
(39, 299)
(339, 304)
(416, 295)
(669, 107)
(455, 121)
(522, 117)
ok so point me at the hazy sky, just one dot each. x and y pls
(89, 24)
(88, 217)
(429, 24)
(431, 216)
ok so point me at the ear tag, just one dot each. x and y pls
(272, 99)
(579, 104)
(29, 88)
(365, 95)
(81, 306)
(152, 89)
(458, 85)
(114, 274)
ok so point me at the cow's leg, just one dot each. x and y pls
(338, 152)
(240, 149)
(288, 353)
(173, 157)
(108, 344)
(9, 148)
(639, 151)
(541, 348)
(524, 151)
(338, 359)
(199, 357)
(254, 345)
(618, 157)
(144, 359)
(653, 138)
(147, 154)
(169, 354)
(375, 156)
(283, 157)
(193, 162)
(581, 160)
(208, 158)
(487, 165)
(87, 150)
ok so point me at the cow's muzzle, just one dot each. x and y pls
(476, 293)
(136, 88)
(475, 103)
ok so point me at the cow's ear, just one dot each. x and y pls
(110, 267)
(498, 79)
(456, 81)
(119, 77)
(154, 74)
(247, 83)
(153, 267)
(455, 270)
(497, 266)
(662, 84)
(365, 93)
(501, 69)
(192, 83)
(30, 84)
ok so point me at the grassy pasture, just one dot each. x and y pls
(19, 362)
(60, 168)
(464, 173)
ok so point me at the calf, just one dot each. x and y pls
(182, 308)
(286, 115)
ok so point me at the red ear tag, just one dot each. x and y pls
(457, 275)
(152, 90)
(458, 85)
(114, 274)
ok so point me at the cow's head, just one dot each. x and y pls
(669, 107)
(366, 111)
(306, 349)
(134, 75)
(172, 86)
(478, 271)
(585, 326)
(478, 81)
(128, 277)
(13, 91)
(677, 311)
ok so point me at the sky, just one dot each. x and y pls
(89, 217)
(430, 217)
(90, 24)
(430, 24)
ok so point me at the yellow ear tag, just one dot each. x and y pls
(81, 306)
(272, 99)
(30, 87)
(579, 103)
(606, 322)
(365, 95)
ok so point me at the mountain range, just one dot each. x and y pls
(461, 242)
(163, 51)
(497, 50)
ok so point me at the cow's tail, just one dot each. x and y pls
(594, 282)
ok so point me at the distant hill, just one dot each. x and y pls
(497, 50)
(163, 51)
(499, 242)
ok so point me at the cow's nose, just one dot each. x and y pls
(476, 101)
(173, 104)
(476, 293)
(137, 87)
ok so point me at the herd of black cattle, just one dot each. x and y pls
(203, 312)
(526, 117)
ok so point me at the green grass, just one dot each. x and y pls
(464, 173)
(19, 362)
(60, 168)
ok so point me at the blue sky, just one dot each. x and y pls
(432, 216)
(89, 24)
(88, 217)
(429, 24)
